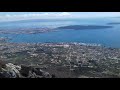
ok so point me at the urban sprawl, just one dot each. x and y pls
(64, 60)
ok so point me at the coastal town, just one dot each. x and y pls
(65, 60)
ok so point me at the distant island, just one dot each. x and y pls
(114, 23)
(82, 27)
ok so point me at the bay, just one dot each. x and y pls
(109, 37)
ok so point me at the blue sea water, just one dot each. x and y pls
(109, 37)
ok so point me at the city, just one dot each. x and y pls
(65, 60)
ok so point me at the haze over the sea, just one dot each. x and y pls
(15, 16)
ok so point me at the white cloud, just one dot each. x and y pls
(65, 14)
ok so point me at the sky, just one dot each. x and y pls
(15, 16)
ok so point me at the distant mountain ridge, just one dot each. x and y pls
(35, 20)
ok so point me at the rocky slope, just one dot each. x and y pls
(10, 70)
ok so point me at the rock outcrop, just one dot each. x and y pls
(10, 70)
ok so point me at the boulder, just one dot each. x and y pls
(13, 70)
(32, 72)
(5, 74)
(2, 65)
(25, 70)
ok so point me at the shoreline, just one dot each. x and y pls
(7, 40)
(62, 43)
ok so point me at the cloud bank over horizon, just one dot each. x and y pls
(15, 16)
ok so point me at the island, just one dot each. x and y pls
(83, 27)
(114, 23)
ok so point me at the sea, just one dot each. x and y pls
(109, 37)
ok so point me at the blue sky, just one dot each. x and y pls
(13, 16)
